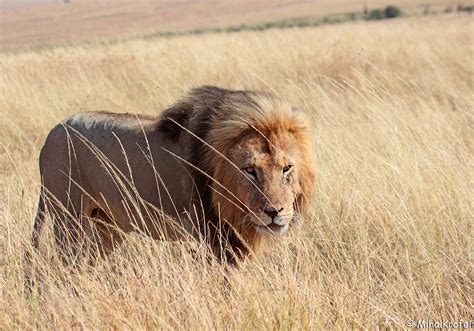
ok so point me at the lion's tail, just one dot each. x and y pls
(39, 220)
(37, 226)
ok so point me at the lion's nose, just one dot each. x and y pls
(272, 212)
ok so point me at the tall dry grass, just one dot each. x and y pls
(391, 238)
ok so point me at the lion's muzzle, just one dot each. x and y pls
(271, 220)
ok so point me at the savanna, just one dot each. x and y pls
(389, 238)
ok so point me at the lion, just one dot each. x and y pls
(228, 167)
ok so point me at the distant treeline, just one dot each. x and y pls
(365, 15)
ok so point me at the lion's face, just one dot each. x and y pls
(266, 181)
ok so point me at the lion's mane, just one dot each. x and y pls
(211, 121)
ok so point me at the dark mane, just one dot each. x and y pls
(196, 113)
(204, 100)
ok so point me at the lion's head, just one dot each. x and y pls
(262, 163)
(265, 181)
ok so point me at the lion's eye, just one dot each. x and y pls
(251, 171)
(287, 169)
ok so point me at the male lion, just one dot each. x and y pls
(229, 167)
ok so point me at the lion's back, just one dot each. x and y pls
(75, 146)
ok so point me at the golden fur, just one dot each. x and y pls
(229, 167)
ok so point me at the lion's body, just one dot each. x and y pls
(83, 182)
(106, 174)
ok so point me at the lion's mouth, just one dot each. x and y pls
(272, 228)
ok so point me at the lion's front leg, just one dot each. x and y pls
(104, 236)
(69, 236)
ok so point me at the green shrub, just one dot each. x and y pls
(392, 11)
(468, 9)
(352, 16)
(388, 12)
(376, 14)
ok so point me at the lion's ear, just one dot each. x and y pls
(174, 119)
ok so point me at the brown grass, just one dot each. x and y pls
(391, 238)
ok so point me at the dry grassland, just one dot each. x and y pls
(391, 235)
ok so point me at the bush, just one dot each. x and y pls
(392, 11)
(376, 14)
(388, 12)
(468, 9)
(352, 16)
